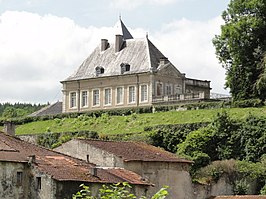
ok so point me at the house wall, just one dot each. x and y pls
(175, 175)
(47, 188)
(83, 151)
(9, 186)
(102, 83)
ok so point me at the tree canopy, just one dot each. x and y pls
(241, 48)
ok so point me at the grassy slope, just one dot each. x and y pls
(135, 123)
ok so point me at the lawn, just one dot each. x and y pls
(135, 123)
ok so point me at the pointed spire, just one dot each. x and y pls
(122, 29)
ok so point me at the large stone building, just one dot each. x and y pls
(155, 165)
(128, 73)
(28, 171)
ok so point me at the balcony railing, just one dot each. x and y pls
(179, 97)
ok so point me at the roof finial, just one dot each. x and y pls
(120, 16)
(147, 35)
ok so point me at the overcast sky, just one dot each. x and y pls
(44, 41)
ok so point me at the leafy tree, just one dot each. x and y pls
(241, 48)
(115, 191)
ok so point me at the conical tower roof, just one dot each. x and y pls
(121, 29)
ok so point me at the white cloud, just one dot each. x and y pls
(36, 52)
(129, 4)
(188, 45)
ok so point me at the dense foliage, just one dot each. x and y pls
(169, 136)
(240, 174)
(226, 138)
(116, 191)
(8, 110)
(242, 46)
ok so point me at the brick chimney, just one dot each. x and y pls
(9, 128)
(118, 43)
(104, 44)
(93, 171)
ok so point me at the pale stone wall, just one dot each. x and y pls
(174, 175)
(89, 153)
(102, 83)
(9, 188)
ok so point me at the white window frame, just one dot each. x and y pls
(122, 95)
(82, 99)
(133, 96)
(143, 98)
(74, 104)
(94, 104)
(108, 102)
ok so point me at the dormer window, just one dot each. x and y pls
(99, 70)
(124, 67)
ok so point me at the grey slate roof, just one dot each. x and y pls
(52, 109)
(140, 54)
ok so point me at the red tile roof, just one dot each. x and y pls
(60, 167)
(240, 197)
(135, 151)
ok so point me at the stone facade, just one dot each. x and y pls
(128, 73)
(31, 172)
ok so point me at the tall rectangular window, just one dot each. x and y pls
(84, 98)
(159, 89)
(168, 89)
(131, 94)
(19, 178)
(119, 95)
(107, 96)
(38, 183)
(96, 97)
(143, 93)
(73, 100)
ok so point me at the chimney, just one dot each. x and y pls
(164, 60)
(93, 171)
(118, 42)
(9, 128)
(104, 44)
(32, 159)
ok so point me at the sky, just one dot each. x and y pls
(42, 42)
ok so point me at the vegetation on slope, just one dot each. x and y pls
(130, 124)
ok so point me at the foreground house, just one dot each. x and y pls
(155, 165)
(29, 171)
(128, 73)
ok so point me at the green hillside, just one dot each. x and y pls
(134, 123)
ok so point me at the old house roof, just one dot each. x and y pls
(61, 167)
(52, 109)
(135, 151)
(140, 54)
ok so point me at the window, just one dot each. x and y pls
(168, 89)
(143, 93)
(84, 99)
(124, 67)
(96, 98)
(88, 158)
(119, 95)
(107, 96)
(159, 88)
(73, 99)
(131, 94)
(19, 178)
(99, 70)
(38, 183)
